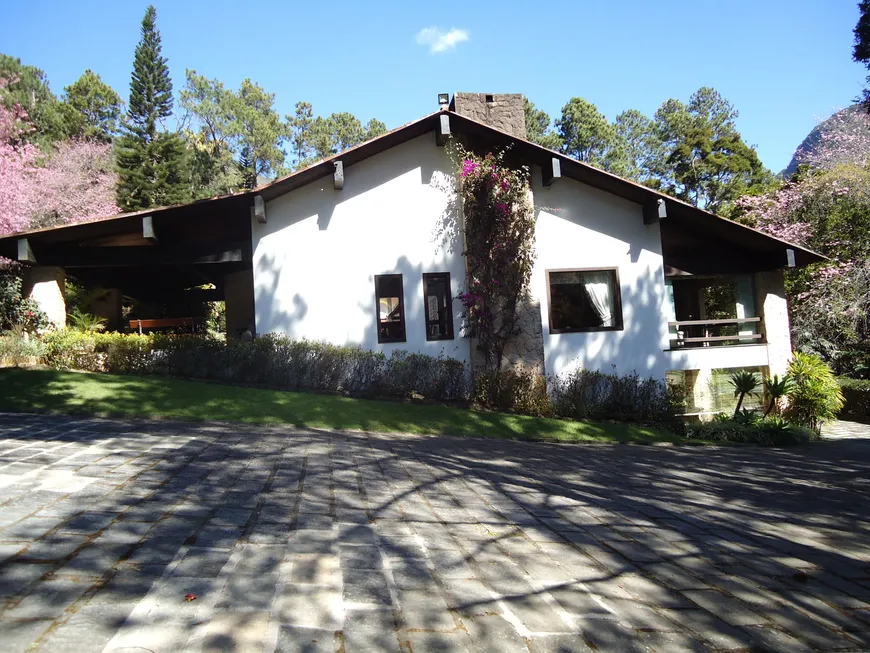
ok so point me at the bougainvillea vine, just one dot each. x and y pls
(499, 227)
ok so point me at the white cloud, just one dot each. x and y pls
(440, 40)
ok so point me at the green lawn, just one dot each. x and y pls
(39, 390)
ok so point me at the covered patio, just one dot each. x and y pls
(164, 264)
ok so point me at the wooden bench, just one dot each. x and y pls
(166, 323)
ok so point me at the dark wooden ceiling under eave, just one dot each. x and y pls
(195, 244)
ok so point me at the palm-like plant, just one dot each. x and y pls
(87, 322)
(777, 388)
(745, 383)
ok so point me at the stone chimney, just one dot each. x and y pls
(501, 111)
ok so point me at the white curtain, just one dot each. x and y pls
(598, 287)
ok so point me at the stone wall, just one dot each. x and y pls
(501, 111)
(525, 351)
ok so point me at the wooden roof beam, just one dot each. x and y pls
(442, 130)
(551, 172)
(654, 211)
(25, 253)
(148, 232)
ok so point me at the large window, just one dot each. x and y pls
(438, 306)
(391, 308)
(584, 300)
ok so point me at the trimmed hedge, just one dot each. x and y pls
(278, 362)
(856, 393)
(274, 361)
(585, 394)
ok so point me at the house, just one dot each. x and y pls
(366, 248)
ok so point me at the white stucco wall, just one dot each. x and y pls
(581, 227)
(702, 358)
(316, 258)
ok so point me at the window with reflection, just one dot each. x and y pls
(391, 308)
(584, 300)
(438, 305)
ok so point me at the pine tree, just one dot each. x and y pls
(151, 162)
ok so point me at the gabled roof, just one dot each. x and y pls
(684, 222)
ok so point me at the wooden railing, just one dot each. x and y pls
(680, 339)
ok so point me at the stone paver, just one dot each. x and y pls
(120, 535)
(845, 430)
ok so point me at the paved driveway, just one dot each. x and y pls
(303, 541)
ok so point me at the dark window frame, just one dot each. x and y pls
(617, 302)
(449, 335)
(381, 339)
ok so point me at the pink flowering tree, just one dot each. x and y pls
(73, 182)
(77, 182)
(499, 245)
(826, 210)
(19, 176)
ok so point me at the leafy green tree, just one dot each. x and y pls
(313, 138)
(642, 151)
(151, 162)
(299, 128)
(538, 127)
(27, 86)
(256, 129)
(206, 127)
(91, 108)
(587, 136)
(707, 164)
(861, 49)
(375, 128)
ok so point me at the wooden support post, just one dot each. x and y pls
(148, 232)
(337, 175)
(442, 130)
(258, 210)
(551, 172)
(654, 211)
(25, 253)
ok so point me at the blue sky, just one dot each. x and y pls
(783, 64)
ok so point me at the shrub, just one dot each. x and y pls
(16, 310)
(87, 322)
(749, 428)
(126, 353)
(775, 388)
(18, 348)
(517, 391)
(856, 398)
(585, 394)
(815, 396)
(71, 350)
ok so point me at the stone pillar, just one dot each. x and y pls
(525, 351)
(108, 305)
(772, 308)
(239, 299)
(45, 285)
